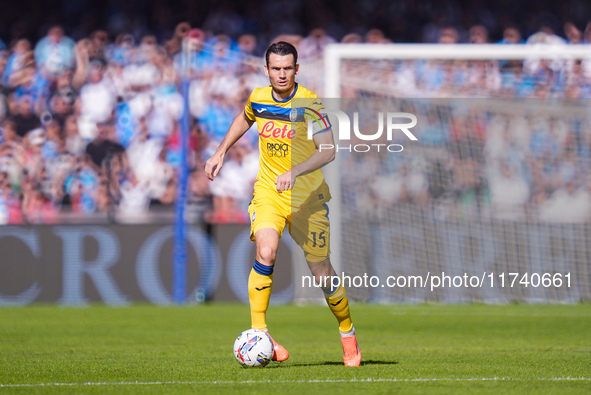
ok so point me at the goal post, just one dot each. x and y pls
(472, 198)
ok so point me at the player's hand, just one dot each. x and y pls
(284, 182)
(213, 165)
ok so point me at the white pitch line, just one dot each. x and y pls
(367, 380)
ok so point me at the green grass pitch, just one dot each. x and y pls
(406, 348)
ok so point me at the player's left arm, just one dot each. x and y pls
(323, 155)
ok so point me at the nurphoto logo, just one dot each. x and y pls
(393, 124)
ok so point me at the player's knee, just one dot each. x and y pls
(267, 255)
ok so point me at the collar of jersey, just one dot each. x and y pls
(287, 98)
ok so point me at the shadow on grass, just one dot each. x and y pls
(331, 363)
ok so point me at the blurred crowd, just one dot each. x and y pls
(91, 129)
(479, 159)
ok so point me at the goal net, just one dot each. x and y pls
(491, 203)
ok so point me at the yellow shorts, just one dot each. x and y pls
(309, 226)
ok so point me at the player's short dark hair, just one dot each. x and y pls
(282, 48)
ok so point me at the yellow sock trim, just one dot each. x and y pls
(259, 293)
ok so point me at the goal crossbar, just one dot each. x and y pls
(335, 53)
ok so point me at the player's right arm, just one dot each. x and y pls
(239, 126)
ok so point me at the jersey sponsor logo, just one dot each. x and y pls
(261, 110)
(271, 130)
(279, 150)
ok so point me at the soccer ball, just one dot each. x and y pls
(253, 347)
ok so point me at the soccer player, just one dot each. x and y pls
(290, 189)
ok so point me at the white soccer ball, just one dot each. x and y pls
(253, 347)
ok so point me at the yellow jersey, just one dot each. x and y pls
(284, 142)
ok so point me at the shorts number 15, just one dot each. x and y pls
(318, 238)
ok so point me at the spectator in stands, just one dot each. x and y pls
(135, 198)
(219, 114)
(572, 33)
(247, 44)
(4, 57)
(376, 36)
(416, 183)
(448, 35)
(478, 34)
(83, 53)
(81, 184)
(24, 115)
(233, 188)
(96, 101)
(73, 142)
(10, 210)
(570, 203)
(434, 76)
(33, 144)
(198, 194)
(225, 55)
(534, 67)
(8, 135)
(54, 145)
(130, 194)
(104, 145)
(575, 78)
(102, 198)
(509, 192)
(100, 39)
(545, 35)
(432, 130)
(199, 61)
(55, 52)
(147, 159)
(38, 207)
(313, 45)
(587, 33)
(174, 45)
(167, 106)
(162, 184)
(385, 191)
(62, 101)
(352, 38)
(511, 35)
(21, 58)
(12, 152)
